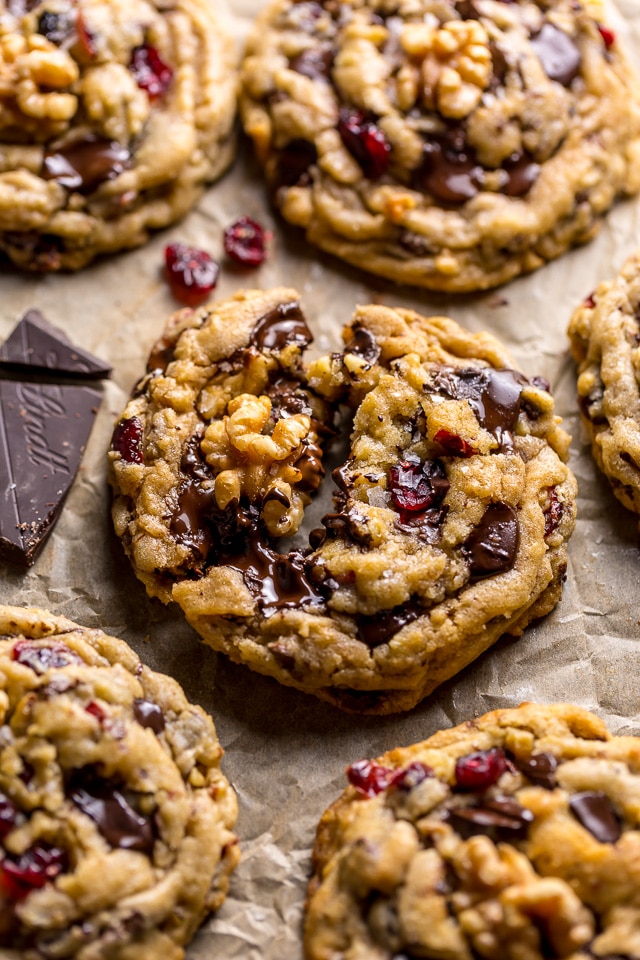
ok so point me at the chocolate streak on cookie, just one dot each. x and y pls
(276, 581)
(363, 344)
(281, 326)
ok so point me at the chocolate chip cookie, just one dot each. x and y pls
(113, 116)
(451, 516)
(515, 835)
(115, 820)
(605, 342)
(452, 144)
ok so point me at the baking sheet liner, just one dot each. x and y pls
(286, 753)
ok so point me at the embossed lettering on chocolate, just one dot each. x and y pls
(451, 513)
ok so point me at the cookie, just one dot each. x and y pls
(515, 835)
(115, 820)
(452, 144)
(605, 340)
(450, 522)
(114, 114)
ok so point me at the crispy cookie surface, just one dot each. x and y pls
(452, 144)
(515, 836)
(450, 523)
(605, 342)
(113, 116)
(115, 819)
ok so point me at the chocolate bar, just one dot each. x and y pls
(46, 415)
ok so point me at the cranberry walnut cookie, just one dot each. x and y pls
(115, 819)
(515, 835)
(605, 342)
(114, 114)
(452, 144)
(450, 523)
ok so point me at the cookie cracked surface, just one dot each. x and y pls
(450, 523)
(515, 835)
(114, 114)
(605, 342)
(115, 819)
(452, 144)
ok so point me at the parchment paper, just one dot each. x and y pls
(286, 753)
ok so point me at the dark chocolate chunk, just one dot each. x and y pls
(539, 768)
(363, 344)
(35, 344)
(449, 170)
(492, 546)
(283, 325)
(521, 172)
(84, 165)
(56, 27)
(293, 163)
(115, 818)
(44, 429)
(379, 629)
(500, 818)
(313, 63)
(595, 812)
(558, 53)
(148, 714)
(277, 581)
(494, 395)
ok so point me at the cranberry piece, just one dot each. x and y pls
(35, 868)
(127, 440)
(607, 35)
(411, 776)
(553, 513)
(370, 778)
(245, 242)
(41, 658)
(86, 37)
(96, 711)
(417, 486)
(365, 142)
(9, 815)
(150, 71)
(480, 770)
(192, 273)
(589, 301)
(453, 444)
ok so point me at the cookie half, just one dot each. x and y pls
(605, 342)
(514, 835)
(114, 114)
(451, 144)
(115, 819)
(450, 522)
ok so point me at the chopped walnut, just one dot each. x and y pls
(35, 81)
(456, 64)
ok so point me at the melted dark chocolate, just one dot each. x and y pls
(309, 463)
(84, 165)
(500, 818)
(595, 812)
(521, 173)
(283, 325)
(276, 581)
(540, 768)
(148, 714)
(449, 171)
(347, 522)
(493, 545)
(294, 162)
(494, 395)
(315, 63)
(115, 818)
(363, 344)
(558, 53)
(376, 630)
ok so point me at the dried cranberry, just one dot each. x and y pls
(32, 870)
(245, 241)
(369, 778)
(192, 273)
(540, 383)
(454, 445)
(43, 658)
(553, 513)
(411, 776)
(607, 35)
(127, 440)
(589, 301)
(417, 486)
(365, 142)
(150, 71)
(86, 37)
(9, 815)
(96, 711)
(480, 770)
